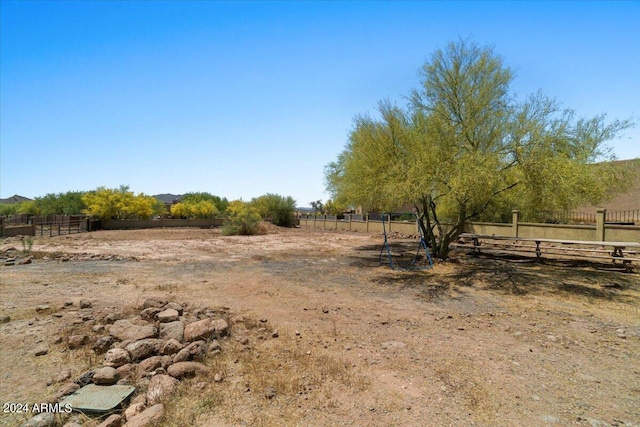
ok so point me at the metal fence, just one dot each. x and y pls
(629, 217)
(48, 225)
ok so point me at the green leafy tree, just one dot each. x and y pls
(190, 209)
(69, 203)
(334, 208)
(196, 197)
(243, 219)
(466, 146)
(120, 203)
(278, 209)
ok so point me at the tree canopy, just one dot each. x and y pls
(467, 147)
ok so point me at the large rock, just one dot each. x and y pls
(150, 313)
(133, 410)
(45, 419)
(143, 348)
(187, 369)
(117, 357)
(150, 364)
(106, 376)
(177, 307)
(171, 330)
(205, 329)
(103, 344)
(154, 302)
(160, 387)
(197, 350)
(114, 420)
(77, 341)
(150, 415)
(125, 330)
(171, 346)
(168, 315)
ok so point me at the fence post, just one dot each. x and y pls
(366, 219)
(1, 227)
(350, 216)
(600, 218)
(324, 222)
(515, 222)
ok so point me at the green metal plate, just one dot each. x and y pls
(98, 398)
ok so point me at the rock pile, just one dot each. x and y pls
(153, 349)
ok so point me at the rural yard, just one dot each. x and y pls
(322, 334)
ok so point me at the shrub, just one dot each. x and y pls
(243, 220)
(278, 209)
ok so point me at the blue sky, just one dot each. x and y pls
(244, 98)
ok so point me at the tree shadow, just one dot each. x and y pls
(510, 274)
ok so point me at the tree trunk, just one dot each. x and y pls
(428, 222)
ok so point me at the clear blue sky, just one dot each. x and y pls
(244, 98)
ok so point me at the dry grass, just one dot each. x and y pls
(264, 381)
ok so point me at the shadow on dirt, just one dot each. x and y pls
(512, 274)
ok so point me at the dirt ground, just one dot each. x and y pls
(478, 341)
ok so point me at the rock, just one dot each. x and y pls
(44, 419)
(217, 377)
(125, 330)
(133, 410)
(150, 415)
(114, 420)
(621, 333)
(102, 344)
(66, 390)
(77, 341)
(41, 351)
(171, 330)
(205, 329)
(150, 313)
(270, 393)
(194, 351)
(150, 364)
(168, 315)
(275, 334)
(214, 345)
(43, 307)
(166, 361)
(125, 370)
(25, 261)
(106, 376)
(114, 317)
(171, 346)
(72, 424)
(160, 387)
(177, 307)
(5, 319)
(154, 302)
(85, 303)
(117, 357)
(187, 369)
(143, 348)
(63, 376)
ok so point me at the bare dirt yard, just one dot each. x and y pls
(322, 334)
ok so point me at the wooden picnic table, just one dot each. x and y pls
(619, 251)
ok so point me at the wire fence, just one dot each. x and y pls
(628, 217)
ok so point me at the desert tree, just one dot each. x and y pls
(466, 145)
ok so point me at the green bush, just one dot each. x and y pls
(278, 209)
(243, 220)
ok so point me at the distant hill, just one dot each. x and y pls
(168, 197)
(14, 199)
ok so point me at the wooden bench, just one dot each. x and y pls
(626, 252)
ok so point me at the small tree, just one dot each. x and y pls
(466, 146)
(242, 219)
(278, 209)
